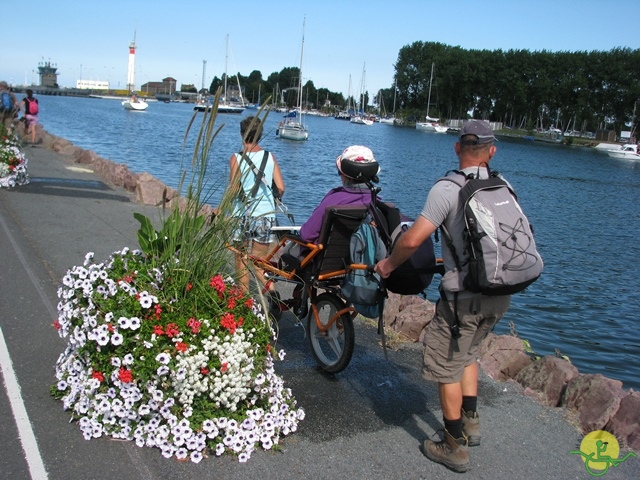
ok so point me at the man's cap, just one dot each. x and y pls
(358, 163)
(479, 128)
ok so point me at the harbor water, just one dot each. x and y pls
(581, 203)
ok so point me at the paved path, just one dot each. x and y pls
(365, 423)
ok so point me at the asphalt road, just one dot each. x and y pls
(365, 423)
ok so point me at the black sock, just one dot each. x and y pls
(454, 427)
(470, 404)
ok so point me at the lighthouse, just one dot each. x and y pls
(131, 73)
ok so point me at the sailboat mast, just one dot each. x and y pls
(395, 90)
(226, 59)
(429, 98)
(304, 21)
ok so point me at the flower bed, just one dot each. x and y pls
(187, 376)
(13, 163)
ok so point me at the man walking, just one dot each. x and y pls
(449, 357)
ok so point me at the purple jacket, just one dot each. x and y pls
(356, 196)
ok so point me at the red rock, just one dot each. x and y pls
(503, 356)
(595, 397)
(549, 376)
(625, 424)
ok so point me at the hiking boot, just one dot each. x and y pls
(471, 427)
(451, 452)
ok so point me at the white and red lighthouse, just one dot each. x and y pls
(131, 73)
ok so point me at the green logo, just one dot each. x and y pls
(599, 451)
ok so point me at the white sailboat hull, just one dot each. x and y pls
(293, 131)
(431, 127)
(139, 105)
(361, 121)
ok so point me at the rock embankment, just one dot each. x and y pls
(599, 403)
(148, 189)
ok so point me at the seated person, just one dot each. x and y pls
(356, 165)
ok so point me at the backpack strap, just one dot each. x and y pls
(259, 174)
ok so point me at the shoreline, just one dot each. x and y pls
(597, 401)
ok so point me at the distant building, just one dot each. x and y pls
(166, 87)
(48, 74)
(92, 85)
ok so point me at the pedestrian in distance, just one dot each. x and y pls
(9, 106)
(30, 109)
(450, 356)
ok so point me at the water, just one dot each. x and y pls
(581, 203)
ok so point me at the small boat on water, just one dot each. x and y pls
(292, 128)
(134, 103)
(628, 151)
(431, 125)
(361, 120)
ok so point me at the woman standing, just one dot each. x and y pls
(30, 110)
(256, 175)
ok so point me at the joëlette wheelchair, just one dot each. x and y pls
(317, 274)
(319, 270)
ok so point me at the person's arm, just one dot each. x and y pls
(277, 177)
(407, 244)
(234, 174)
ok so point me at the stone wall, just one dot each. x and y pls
(148, 190)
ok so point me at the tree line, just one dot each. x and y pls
(521, 88)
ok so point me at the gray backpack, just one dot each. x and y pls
(498, 238)
(363, 288)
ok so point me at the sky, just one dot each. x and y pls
(344, 40)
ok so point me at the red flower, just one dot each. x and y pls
(110, 327)
(56, 324)
(268, 348)
(158, 330)
(189, 286)
(204, 371)
(225, 367)
(194, 324)
(227, 321)
(231, 304)
(249, 303)
(124, 375)
(217, 283)
(98, 375)
(240, 321)
(172, 330)
(181, 346)
(158, 311)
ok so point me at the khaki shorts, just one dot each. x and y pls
(478, 315)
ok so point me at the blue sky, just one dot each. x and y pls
(173, 38)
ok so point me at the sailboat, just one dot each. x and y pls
(392, 119)
(360, 119)
(225, 105)
(346, 114)
(291, 128)
(431, 124)
(133, 102)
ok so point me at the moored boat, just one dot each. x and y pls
(134, 103)
(291, 128)
(628, 151)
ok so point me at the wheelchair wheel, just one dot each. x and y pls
(332, 348)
